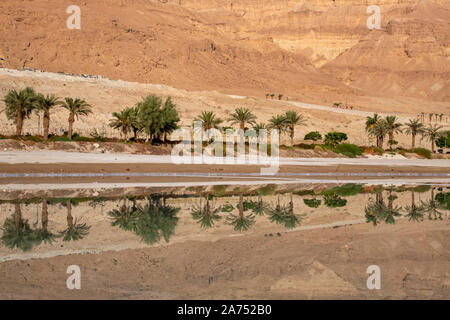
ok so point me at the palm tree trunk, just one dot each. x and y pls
(69, 214)
(46, 123)
(292, 133)
(391, 138)
(17, 215)
(432, 146)
(413, 141)
(124, 131)
(44, 218)
(413, 201)
(242, 125)
(19, 123)
(241, 205)
(71, 121)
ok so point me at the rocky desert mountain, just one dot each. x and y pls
(307, 49)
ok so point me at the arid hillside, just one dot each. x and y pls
(310, 50)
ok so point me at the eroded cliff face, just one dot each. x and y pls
(246, 46)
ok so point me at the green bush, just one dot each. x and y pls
(305, 146)
(444, 140)
(378, 150)
(423, 152)
(313, 135)
(348, 149)
(334, 138)
(334, 201)
(312, 203)
(349, 189)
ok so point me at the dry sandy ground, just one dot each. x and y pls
(327, 263)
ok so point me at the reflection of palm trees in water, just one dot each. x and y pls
(414, 212)
(42, 234)
(241, 222)
(150, 222)
(75, 230)
(432, 207)
(17, 232)
(205, 215)
(377, 211)
(284, 214)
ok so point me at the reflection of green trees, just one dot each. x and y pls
(284, 214)
(151, 222)
(241, 221)
(312, 203)
(259, 207)
(432, 206)
(17, 232)
(334, 201)
(377, 211)
(444, 200)
(206, 214)
(75, 230)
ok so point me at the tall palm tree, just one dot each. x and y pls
(432, 133)
(379, 130)
(294, 119)
(76, 107)
(241, 222)
(205, 215)
(123, 121)
(242, 116)
(393, 128)
(278, 122)
(413, 128)
(19, 105)
(45, 104)
(74, 231)
(209, 120)
(414, 212)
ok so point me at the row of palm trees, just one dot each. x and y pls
(21, 104)
(285, 123)
(437, 116)
(379, 128)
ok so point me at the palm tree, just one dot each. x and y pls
(76, 108)
(278, 122)
(75, 231)
(241, 222)
(432, 133)
(413, 128)
(377, 211)
(259, 207)
(205, 215)
(42, 234)
(393, 128)
(45, 104)
(19, 106)
(17, 232)
(242, 116)
(123, 121)
(379, 130)
(259, 126)
(294, 119)
(209, 120)
(284, 214)
(126, 217)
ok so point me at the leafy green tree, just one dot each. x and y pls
(444, 140)
(259, 207)
(413, 128)
(123, 121)
(46, 104)
(334, 201)
(377, 128)
(377, 211)
(432, 134)
(242, 116)
(19, 105)
(294, 119)
(280, 96)
(126, 217)
(284, 214)
(313, 135)
(312, 203)
(75, 231)
(206, 214)
(157, 119)
(334, 138)
(259, 126)
(77, 108)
